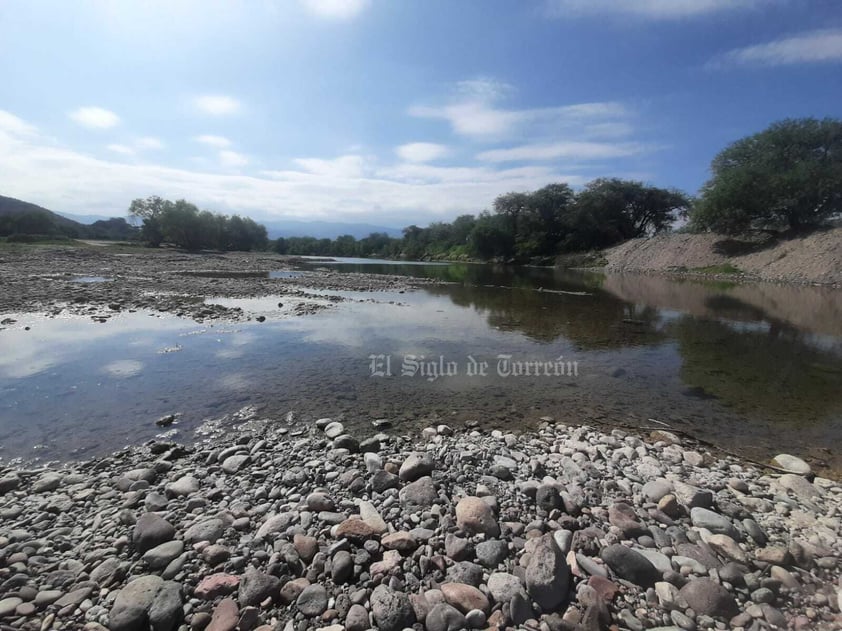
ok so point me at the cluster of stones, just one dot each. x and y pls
(558, 529)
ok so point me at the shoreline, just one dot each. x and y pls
(563, 528)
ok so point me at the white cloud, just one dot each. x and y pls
(336, 9)
(217, 104)
(343, 167)
(219, 142)
(812, 47)
(653, 9)
(95, 117)
(149, 142)
(352, 187)
(421, 151)
(574, 151)
(121, 149)
(232, 159)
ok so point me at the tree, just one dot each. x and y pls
(787, 176)
(150, 211)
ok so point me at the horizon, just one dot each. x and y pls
(368, 112)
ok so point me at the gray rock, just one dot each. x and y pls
(357, 619)
(256, 586)
(342, 568)
(312, 601)
(47, 482)
(233, 464)
(503, 586)
(622, 516)
(334, 429)
(275, 524)
(692, 496)
(654, 490)
(8, 605)
(792, 464)
(547, 575)
(458, 548)
(416, 466)
(151, 530)
(391, 609)
(160, 556)
(130, 611)
(709, 599)
(548, 498)
(165, 613)
(382, 481)
(716, 523)
(444, 617)
(9, 482)
(419, 494)
(630, 565)
(185, 485)
(206, 530)
(491, 553)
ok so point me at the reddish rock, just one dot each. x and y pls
(215, 585)
(226, 615)
(465, 597)
(355, 529)
(605, 588)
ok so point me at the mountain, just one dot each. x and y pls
(20, 217)
(83, 219)
(323, 229)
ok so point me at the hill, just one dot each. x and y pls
(20, 217)
(324, 229)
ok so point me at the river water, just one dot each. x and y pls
(750, 368)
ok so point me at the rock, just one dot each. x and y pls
(548, 498)
(108, 572)
(9, 482)
(476, 619)
(465, 597)
(669, 506)
(47, 482)
(206, 530)
(371, 516)
(233, 464)
(160, 556)
(130, 611)
(215, 585)
(401, 541)
(391, 609)
(334, 430)
(774, 555)
(357, 619)
(465, 572)
(275, 524)
(547, 575)
(491, 553)
(165, 613)
(307, 547)
(151, 530)
(792, 464)
(458, 548)
(692, 496)
(630, 565)
(9, 605)
(346, 441)
(800, 486)
(312, 601)
(662, 435)
(226, 615)
(727, 547)
(708, 598)
(391, 560)
(318, 502)
(292, 590)
(654, 490)
(622, 516)
(716, 523)
(256, 586)
(444, 617)
(416, 466)
(669, 597)
(355, 530)
(503, 587)
(186, 485)
(419, 494)
(473, 515)
(342, 567)
(383, 480)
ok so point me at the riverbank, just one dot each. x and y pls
(102, 281)
(274, 527)
(814, 258)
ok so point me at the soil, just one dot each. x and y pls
(814, 258)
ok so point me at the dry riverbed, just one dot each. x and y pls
(563, 528)
(102, 281)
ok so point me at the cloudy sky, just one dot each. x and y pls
(387, 111)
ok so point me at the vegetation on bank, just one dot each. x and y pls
(184, 225)
(24, 222)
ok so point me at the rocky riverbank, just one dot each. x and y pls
(102, 281)
(560, 528)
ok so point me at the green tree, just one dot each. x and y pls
(787, 176)
(150, 211)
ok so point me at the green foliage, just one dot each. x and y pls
(785, 177)
(724, 268)
(184, 225)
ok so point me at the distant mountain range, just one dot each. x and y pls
(323, 229)
(20, 217)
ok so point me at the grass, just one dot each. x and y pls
(723, 268)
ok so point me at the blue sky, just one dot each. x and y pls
(391, 111)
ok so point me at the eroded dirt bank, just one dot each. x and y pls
(814, 258)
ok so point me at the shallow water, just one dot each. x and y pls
(751, 367)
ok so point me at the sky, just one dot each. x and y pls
(392, 112)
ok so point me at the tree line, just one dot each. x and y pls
(787, 177)
(184, 225)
